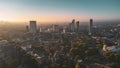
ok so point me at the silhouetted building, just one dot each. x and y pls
(90, 26)
(33, 28)
(77, 26)
(72, 25)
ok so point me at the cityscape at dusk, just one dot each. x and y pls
(59, 33)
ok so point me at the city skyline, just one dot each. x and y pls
(59, 11)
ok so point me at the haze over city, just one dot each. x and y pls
(59, 33)
(49, 11)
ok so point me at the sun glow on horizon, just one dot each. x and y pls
(58, 11)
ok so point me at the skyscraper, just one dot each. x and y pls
(90, 26)
(77, 26)
(72, 26)
(33, 28)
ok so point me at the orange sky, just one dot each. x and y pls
(59, 10)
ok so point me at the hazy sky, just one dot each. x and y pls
(59, 10)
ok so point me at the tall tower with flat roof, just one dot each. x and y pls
(33, 27)
(90, 26)
(73, 25)
(77, 26)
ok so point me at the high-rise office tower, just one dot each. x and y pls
(73, 25)
(90, 26)
(33, 27)
(77, 26)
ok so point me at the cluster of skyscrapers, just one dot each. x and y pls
(74, 26)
